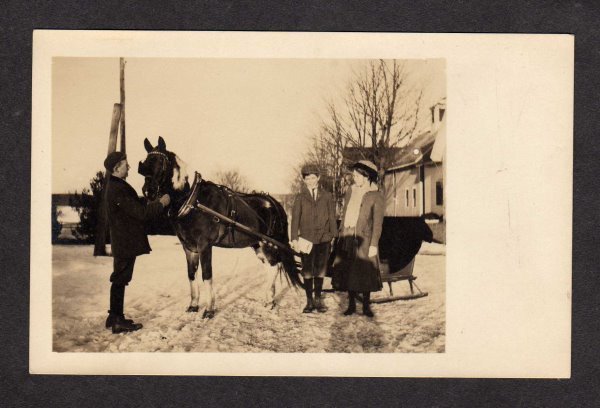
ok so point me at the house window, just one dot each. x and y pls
(406, 198)
(414, 197)
(439, 193)
(442, 111)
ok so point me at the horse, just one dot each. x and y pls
(198, 231)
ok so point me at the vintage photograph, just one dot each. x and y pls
(301, 204)
(248, 205)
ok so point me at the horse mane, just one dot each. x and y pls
(180, 175)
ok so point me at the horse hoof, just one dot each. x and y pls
(270, 304)
(193, 309)
(208, 314)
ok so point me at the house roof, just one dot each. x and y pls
(400, 157)
(419, 149)
(61, 199)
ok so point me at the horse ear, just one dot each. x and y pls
(147, 145)
(161, 143)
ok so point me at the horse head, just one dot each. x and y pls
(163, 171)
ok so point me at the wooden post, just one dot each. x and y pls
(122, 89)
(114, 128)
(102, 226)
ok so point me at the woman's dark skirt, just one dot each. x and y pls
(353, 270)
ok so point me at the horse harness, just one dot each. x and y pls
(191, 203)
(231, 210)
(227, 229)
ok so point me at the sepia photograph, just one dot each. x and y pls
(182, 190)
(301, 204)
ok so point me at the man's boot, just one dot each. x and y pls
(351, 304)
(121, 325)
(112, 317)
(308, 287)
(117, 298)
(319, 305)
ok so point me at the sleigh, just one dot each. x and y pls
(401, 240)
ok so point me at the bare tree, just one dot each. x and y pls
(383, 110)
(234, 180)
(378, 114)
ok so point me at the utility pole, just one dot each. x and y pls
(118, 119)
(122, 91)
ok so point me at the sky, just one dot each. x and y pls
(255, 116)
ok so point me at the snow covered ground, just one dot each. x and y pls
(159, 295)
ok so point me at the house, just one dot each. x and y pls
(64, 216)
(413, 183)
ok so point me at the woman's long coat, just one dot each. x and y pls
(353, 268)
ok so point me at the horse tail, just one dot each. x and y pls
(287, 263)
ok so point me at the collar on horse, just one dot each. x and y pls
(189, 204)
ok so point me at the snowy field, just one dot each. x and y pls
(159, 295)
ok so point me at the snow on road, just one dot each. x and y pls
(159, 295)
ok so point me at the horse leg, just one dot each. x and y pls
(271, 272)
(192, 266)
(206, 265)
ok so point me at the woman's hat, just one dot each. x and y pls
(113, 159)
(310, 169)
(367, 166)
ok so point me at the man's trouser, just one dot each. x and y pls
(121, 276)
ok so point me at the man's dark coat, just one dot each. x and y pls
(126, 216)
(314, 220)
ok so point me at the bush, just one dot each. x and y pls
(87, 205)
(56, 225)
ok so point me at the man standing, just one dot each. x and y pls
(126, 216)
(313, 218)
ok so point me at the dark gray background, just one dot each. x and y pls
(18, 19)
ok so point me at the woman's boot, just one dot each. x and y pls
(367, 304)
(351, 304)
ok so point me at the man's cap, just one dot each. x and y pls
(310, 169)
(113, 159)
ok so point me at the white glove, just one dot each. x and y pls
(372, 251)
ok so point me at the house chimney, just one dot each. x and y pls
(438, 112)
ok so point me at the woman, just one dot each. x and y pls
(313, 218)
(356, 267)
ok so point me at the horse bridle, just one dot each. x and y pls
(142, 169)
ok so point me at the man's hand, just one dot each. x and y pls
(294, 244)
(372, 251)
(165, 200)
